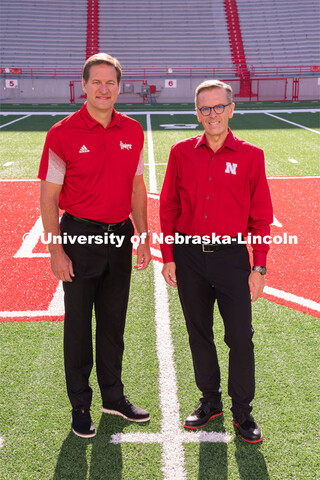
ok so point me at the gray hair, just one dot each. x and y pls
(211, 84)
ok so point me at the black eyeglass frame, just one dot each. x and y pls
(214, 109)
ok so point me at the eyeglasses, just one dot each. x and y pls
(218, 109)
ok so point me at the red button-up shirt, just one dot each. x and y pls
(95, 165)
(222, 193)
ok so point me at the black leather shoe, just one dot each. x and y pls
(203, 414)
(248, 428)
(127, 410)
(82, 424)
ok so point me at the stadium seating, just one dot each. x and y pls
(162, 33)
(165, 32)
(280, 32)
(43, 33)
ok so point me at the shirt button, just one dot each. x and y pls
(210, 178)
(208, 198)
(212, 159)
(205, 216)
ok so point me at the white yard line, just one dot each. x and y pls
(292, 123)
(171, 436)
(290, 297)
(152, 168)
(301, 177)
(16, 120)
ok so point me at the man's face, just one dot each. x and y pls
(102, 88)
(214, 124)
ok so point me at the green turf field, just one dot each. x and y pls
(35, 438)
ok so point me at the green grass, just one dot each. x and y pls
(34, 409)
(35, 414)
(285, 405)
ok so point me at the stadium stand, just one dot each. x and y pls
(245, 42)
(280, 32)
(43, 33)
(165, 32)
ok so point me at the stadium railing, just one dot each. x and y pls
(167, 72)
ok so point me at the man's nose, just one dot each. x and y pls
(104, 88)
(212, 113)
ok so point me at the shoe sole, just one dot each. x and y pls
(84, 435)
(115, 412)
(245, 439)
(204, 424)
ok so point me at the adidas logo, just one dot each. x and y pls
(84, 149)
(127, 146)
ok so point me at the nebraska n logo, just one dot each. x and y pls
(231, 168)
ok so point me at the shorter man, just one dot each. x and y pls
(215, 184)
(92, 167)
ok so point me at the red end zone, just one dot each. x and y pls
(29, 289)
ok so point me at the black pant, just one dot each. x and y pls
(223, 276)
(102, 281)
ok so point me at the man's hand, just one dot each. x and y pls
(169, 273)
(143, 255)
(256, 285)
(61, 266)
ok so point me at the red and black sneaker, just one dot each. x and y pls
(203, 414)
(248, 428)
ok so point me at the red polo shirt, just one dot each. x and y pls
(95, 165)
(223, 192)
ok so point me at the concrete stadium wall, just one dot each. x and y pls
(41, 90)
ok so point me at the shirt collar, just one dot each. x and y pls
(229, 142)
(91, 122)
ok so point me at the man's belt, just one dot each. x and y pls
(215, 247)
(106, 227)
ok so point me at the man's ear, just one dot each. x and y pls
(231, 110)
(84, 86)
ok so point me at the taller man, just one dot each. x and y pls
(92, 167)
(215, 185)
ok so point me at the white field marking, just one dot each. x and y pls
(16, 120)
(292, 160)
(30, 240)
(147, 164)
(290, 297)
(152, 167)
(183, 437)
(180, 126)
(171, 436)
(302, 177)
(181, 112)
(19, 180)
(276, 222)
(8, 164)
(153, 195)
(292, 123)
(1, 442)
(155, 252)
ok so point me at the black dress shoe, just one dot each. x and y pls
(248, 428)
(203, 414)
(82, 424)
(127, 410)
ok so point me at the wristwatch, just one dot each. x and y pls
(261, 270)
